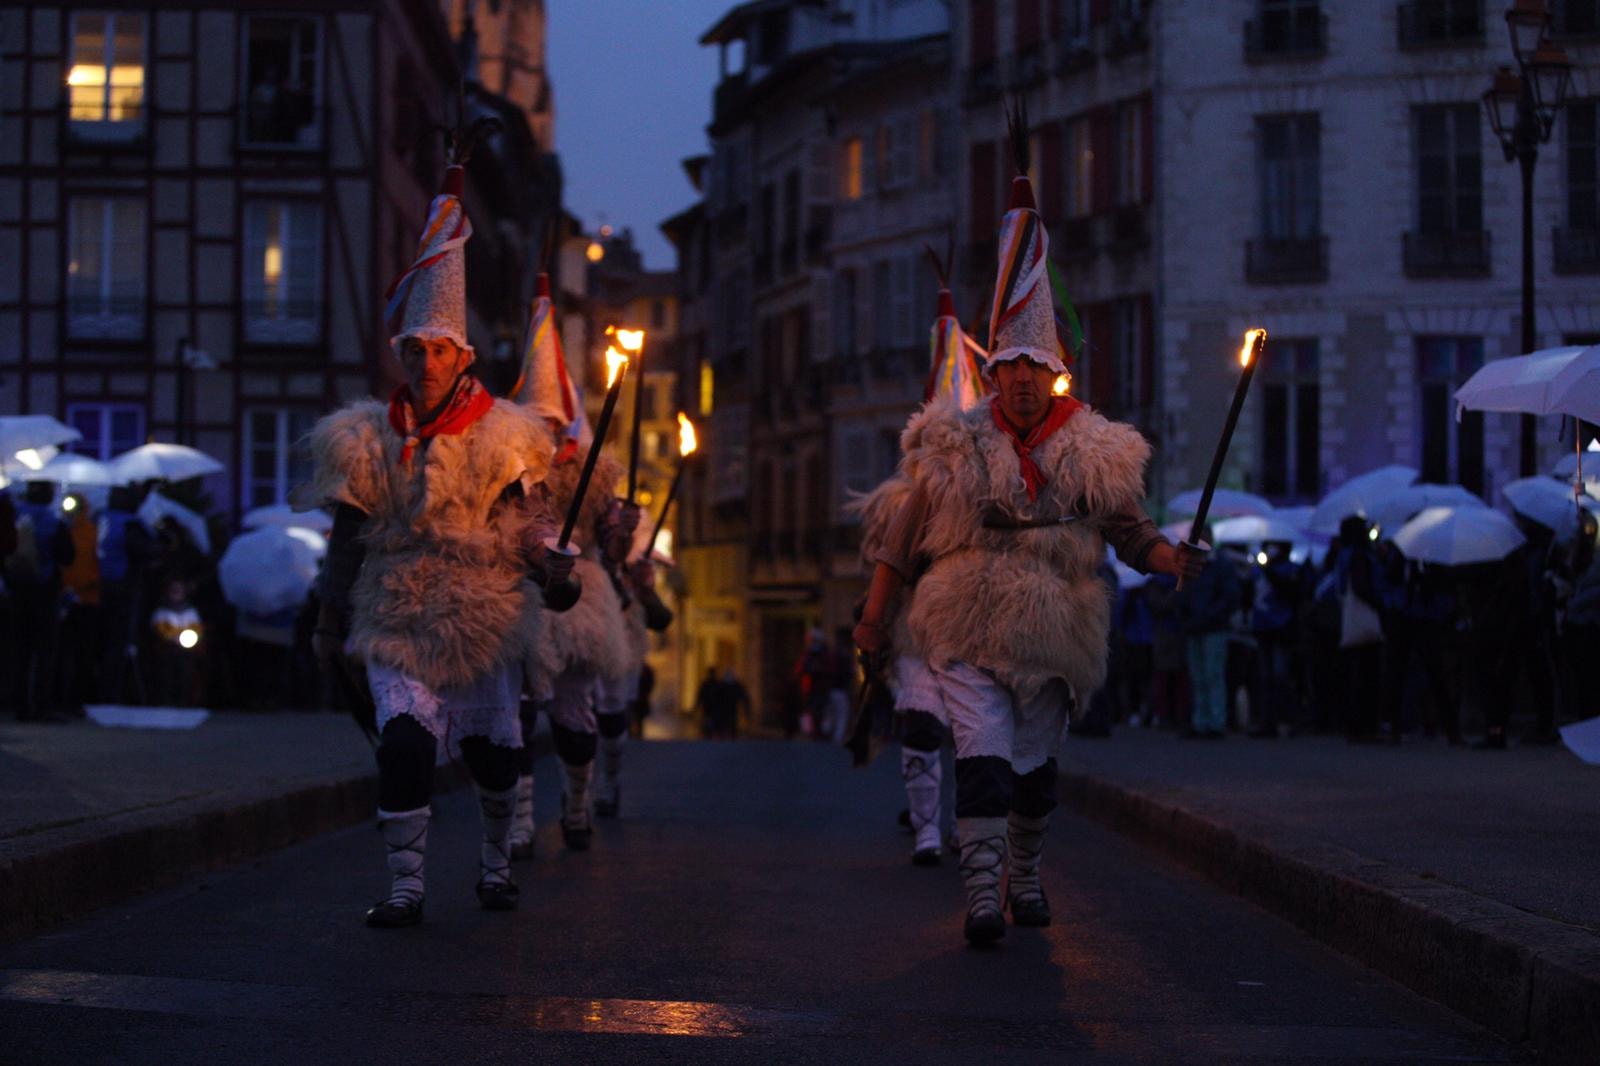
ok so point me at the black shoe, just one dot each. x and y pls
(498, 895)
(607, 808)
(925, 857)
(522, 851)
(984, 928)
(1031, 911)
(395, 914)
(577, 839)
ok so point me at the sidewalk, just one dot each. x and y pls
(89, 815)
(1472, 876)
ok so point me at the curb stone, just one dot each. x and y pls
(62, 874)
(1527, 978)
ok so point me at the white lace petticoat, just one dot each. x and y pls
(484, 707)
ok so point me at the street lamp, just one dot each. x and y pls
(1522, 105)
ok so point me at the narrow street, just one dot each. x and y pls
(753, 904)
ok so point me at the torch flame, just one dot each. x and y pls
(1062, 385)
(632, 340)
(1249, 350)
(687, 441)
(616, 363)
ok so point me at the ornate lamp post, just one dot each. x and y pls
(1522, 106)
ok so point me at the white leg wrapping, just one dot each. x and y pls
(405, 838)
(575, 802)
(983, 858)
(922, 774)
(522, 818)
(1025, 837)
(494, 857)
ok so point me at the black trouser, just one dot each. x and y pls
(406, 753)
(987, 787)
(38, 635)
(1360, 675)
(116, 636)
(922, 732)
(1275, 700)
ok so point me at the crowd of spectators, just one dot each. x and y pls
(97, 606)
(1362, 642)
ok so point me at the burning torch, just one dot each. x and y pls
(1249, 355)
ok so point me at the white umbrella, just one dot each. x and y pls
(1576, 389)
(270, 569)
(1458, 536)
(156, 507)
(281, 514)
(20, 433)
(1548, 502)
(1225, 503)
(1394, 510)
(1357, 496)
(73, 470)
(1255, 529)
(1530, 384)
(162, 462)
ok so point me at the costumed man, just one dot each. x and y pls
(955, 374)
(427, 580)
(643, 613)
(586, 647)
(1010, 506)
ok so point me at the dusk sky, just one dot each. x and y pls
(633, 96)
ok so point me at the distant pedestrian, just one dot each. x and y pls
(1135, 625)
(123, 550)
(1170, 691)
(1275, 606)
(1210, 600)
(1351, 586)
(82, 631)
(176, 650)
(44, 547)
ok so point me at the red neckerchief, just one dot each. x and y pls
(1062, 408)
(566, 453)
(470, 402)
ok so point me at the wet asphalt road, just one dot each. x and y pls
(753, 904)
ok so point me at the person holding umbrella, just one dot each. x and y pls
(434, 536)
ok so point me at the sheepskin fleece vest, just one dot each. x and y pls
(878, 509)
(589, 638)
(442, 593)
(1024, 604)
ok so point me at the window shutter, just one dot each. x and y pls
(1102, 139)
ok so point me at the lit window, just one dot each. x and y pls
(106, 267)
(282, 270)
(850, 170)
(105, 83)
(708, 386)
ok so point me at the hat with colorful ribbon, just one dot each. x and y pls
(1022, 320)
(956, 364)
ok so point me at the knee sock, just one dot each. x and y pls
(1025, 838)
(522, 817)
(983, 855)
(405, 836)
(494, 856)
(575, 803)
(922, 774)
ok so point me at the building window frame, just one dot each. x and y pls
(1291, 421)
(291, 458)
(115, 308)
(273, 312)
(105, 442)
(77, 85)
(256, 116)
(1451, 449)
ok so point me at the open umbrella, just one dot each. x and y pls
(281, 514)
(20, 433)
(157, 507)
(1225, 503)
(1391, 511)
(1254, 530)
(1552, 381)
(1458, 536)
(1357, 496)
(1548, 502)
(73, 471)
(270, 569)
(162, 462)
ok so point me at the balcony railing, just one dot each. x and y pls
(1577, 250)
(1074, 52)
(981, 83)
(1446, 253)
(1286, 260)
(1428, 23)
(1294, 34)
(1130, 228)
(1129, 34)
